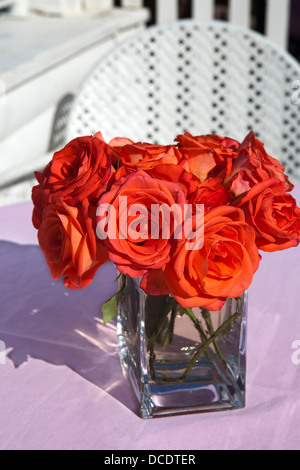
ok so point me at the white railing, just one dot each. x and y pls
(277, 22)
(277, 18)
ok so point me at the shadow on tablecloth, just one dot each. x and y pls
(42, 319)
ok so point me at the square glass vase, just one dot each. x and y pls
(180, 361)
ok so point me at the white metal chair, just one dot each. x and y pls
(201, 77)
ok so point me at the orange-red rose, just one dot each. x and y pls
(207, 156)
(211, 194)
(79, 171)
(253, 165)
(143, 156)
(39, 204)
(136, 255)
(164, 172)
(274, 215)
(68, 240)
(223, 267)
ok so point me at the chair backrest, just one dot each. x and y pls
(201, 77)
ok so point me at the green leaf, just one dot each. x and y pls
(110, 307)
(118, 164)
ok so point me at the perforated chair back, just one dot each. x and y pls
(201, 77)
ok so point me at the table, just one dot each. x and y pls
(62, 385)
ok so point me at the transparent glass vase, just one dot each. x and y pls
(182, 361)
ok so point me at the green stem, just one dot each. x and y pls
(199, 328)
(170, 305)
(172, 325)
(207, 319)
(198, 353)
(169, 336)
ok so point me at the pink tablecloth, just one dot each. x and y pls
(62, 386)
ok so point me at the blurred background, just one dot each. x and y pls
(47, 48)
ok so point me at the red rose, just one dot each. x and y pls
(119, 142)
(134, 255)
(143, 156)
(274, 215)
(206, 156)
(175, 174)
(39, 204)
(77, 172)
(163, 172)
(223, 267)
(68, 240)
(253, 165)
(211, 194)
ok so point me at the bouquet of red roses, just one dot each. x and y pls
(243, 191)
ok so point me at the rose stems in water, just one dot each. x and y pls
(208, 342)
(199, 328)
(152, 358)
(169, 306)
(207, 319)
(169, 337)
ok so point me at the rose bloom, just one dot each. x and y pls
(67, 238)
(222, 268)
(211, 194)
(132, 247)
(253, 165)
(39, 204)
(274, 215)
(206, 156)
(164, 172)
(143, 156)
(80, 170)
